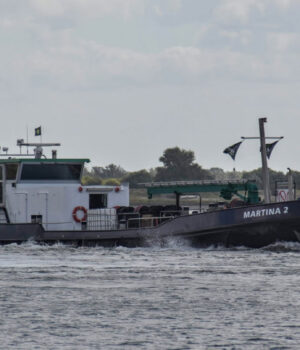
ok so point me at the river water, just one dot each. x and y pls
(60, 297)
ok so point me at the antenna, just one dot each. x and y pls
(38, 150)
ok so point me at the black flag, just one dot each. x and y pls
(232, 150)
(269, 148)
(38, 131)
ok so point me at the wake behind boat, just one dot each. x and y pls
(43, 199)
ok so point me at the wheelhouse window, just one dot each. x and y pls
(51, 172)
(11, 171)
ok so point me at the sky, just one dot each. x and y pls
(120, 81)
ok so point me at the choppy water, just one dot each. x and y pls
(61, 297)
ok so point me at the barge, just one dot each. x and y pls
(42, 199)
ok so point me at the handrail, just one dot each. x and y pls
(153, 219)
(195, 182)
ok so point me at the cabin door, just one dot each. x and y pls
(2, 185)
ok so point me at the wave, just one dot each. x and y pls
(283, 247)
(151, 244)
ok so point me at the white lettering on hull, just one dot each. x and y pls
(265, 212)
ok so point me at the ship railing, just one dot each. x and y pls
(108, 223)
(123, 219)
(110, 220)
(101, 220)
(147, 221)
(167, 213)
(195, 182)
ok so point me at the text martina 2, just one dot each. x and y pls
(265, 212)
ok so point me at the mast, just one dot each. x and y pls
(265, 170)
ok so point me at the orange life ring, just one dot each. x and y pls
(74, 214)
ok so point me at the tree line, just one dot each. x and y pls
(177, 164)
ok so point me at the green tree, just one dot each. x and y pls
(218, 174)
(256, 175)
(111, 182)
(110, 171)
(179, 164)
(91, 180)
(137, 177)
(177, 158)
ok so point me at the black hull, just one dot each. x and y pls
(251, 235)
(252, 226)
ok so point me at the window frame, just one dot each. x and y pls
(19, 178)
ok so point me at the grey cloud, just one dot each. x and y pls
(93, 66)
(222, 49)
